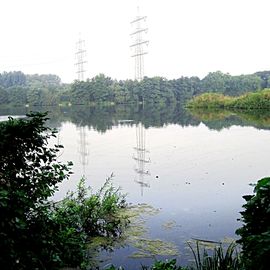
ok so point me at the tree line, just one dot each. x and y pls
(162, 90)
(19, 89)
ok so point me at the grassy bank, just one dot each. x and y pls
(253, 100)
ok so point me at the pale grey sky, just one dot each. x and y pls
(187, 37)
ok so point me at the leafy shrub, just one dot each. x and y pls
(253, 100)
(158, 265)
(166, 265)
(210, 100)
(34, 232)
(255, 233)
(29, 174)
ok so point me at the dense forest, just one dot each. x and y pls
(17, 88)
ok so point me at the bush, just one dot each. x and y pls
(83, 215)
(29, 174)
(255, 233)
(210, 100)
(254, 100)
(34, 232)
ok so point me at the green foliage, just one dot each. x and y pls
(216, 258)
(255, 232)
(158, 265)
(47, 89)
(210, 100)
(9, 79)
(43, 80)
(230, 85)
(166, 265)
(29, 174)
(256, 100)
(17, 95)
(83, 215)
(253, 100)
(215, 82)
(219, 259)
(17, 88)
(158, 90)
(3, 96)
(94, 213)
(264, 75)
(34, 232)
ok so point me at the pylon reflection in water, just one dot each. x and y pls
(141, 158)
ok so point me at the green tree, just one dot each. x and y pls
(3, 96)
(17, 95)
(215, 82)
(15, 78)
(34, 232)
(29, 174)
(43, 80)
(102, 87)
(34, 96)
(264, 75)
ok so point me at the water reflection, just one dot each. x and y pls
(103, 119)
(141, 158)
(83, 147)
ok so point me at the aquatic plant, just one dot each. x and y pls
(93, 217)
(218, 259)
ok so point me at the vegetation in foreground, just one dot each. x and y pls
(253, 100)
(255, 232)
(218, 258)
(34, 232)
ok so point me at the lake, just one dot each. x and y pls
(192, 168)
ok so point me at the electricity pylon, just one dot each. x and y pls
(80, 56)
(139, 45)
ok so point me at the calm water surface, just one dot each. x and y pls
(193, 168)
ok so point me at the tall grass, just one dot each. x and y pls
(219, 259)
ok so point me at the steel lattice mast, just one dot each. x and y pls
(139, 45)
(80, 56)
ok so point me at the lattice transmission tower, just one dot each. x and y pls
(80, 57)
(139, 44)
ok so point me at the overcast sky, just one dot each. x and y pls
(187, 37)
